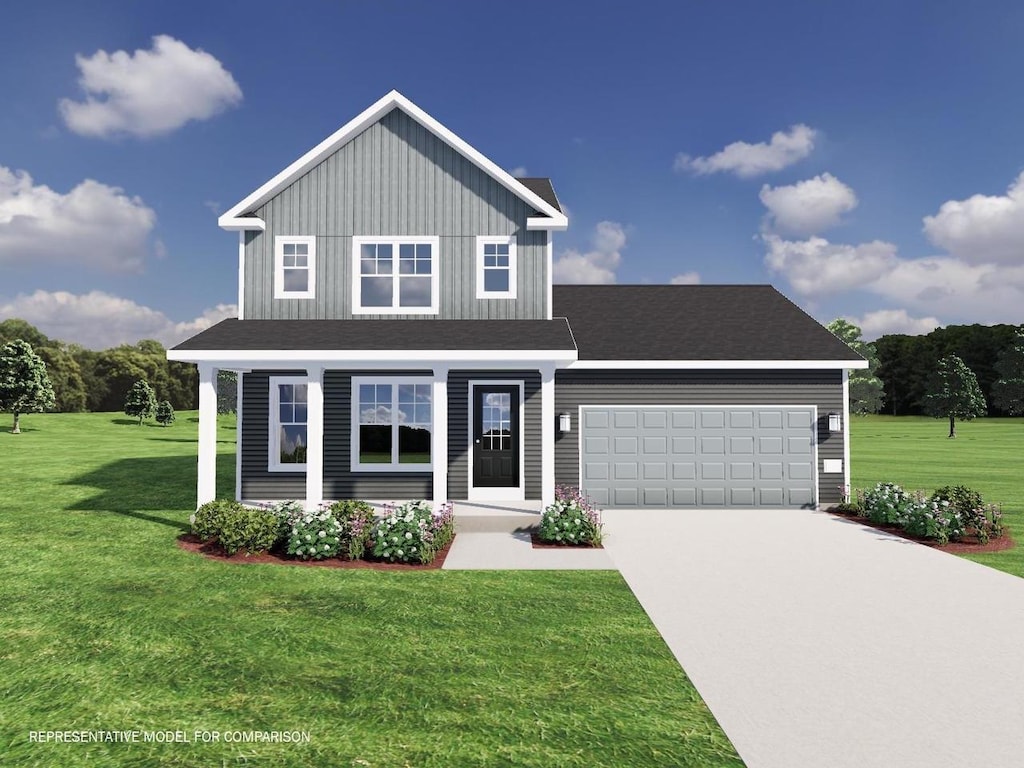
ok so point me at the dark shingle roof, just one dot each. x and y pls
(455, 335)
(692, 322)
(542, 188)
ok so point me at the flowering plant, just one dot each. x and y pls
(356, 519)
(413, 532)
(313, 535)
(570, 520)
(950, 514)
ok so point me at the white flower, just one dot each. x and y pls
(400, 553)
(408, 534)
(322, 534)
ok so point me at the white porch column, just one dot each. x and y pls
(238, 436)
(206, 477)
(547, 435)
(439, 438)
(846, 429)
(314, 437)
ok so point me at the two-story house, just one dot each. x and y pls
(399, 337)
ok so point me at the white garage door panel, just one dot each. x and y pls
(742, 456)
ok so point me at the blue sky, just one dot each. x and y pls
(864, 158)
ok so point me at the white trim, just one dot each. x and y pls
(394, 358)
(206, 474)
(720, 364)
(235, 217)
(314, 437)
(274, 425)
(439, 434)
(238, 436)
(846, 431)
(510, 493)
(481, 270)
(241, 274)
(279, 290)
(396, 241)
(395, 382)
(550, 258)
(814, 431)
(547, 435)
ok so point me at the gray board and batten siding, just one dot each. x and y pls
(396, 178)
(339, 481)
(821, 388)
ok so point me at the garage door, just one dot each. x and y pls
(698, 457)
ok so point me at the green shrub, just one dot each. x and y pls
(252, 529)
(206, 521)
(165, 413)
(314, 535)
(413, 532)
(571, 520)
(886, 504)
(849, 508)
(356, 519)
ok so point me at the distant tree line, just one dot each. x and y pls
(86, 380)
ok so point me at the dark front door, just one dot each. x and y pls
(496, 436)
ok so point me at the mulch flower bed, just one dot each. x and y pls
(191, 543)
(969, 546)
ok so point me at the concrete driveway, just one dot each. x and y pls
(821, 643)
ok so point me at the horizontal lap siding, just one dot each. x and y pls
(396, 178)
(821, 388)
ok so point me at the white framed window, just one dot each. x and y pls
(395, 275)
(287, 424)
(496, 267)
(294, 267)
(392, 424)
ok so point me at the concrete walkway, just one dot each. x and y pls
(513, 551)
(820, 643)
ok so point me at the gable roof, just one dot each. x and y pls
(239, 217)
(731, 324)
(542, 188)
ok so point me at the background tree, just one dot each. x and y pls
(227, 391)
(866, 388)
(1008, 389)
(953, 393)
(164, 413)
(24, 385)
(65, 376)
(140, 401)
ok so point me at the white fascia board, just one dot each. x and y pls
(360, 123)
(720, 364)
(242, 224)
(254, 359)
(557, 223)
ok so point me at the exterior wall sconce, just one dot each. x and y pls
(835, 422)
(564, 422)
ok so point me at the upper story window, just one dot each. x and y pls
(395, 275)
(294, 267)
(496, 267)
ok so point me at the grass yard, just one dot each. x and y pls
(987, 454)
(107, 625)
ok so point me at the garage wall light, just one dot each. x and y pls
(835, 422)
(564, 423)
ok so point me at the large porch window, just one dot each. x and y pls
(288, 422)
(391, 424)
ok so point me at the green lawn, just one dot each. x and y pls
(107, 625)
(987, 454)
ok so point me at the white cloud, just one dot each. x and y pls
(816, 266)
(883, 321)
(149, 92)
(519, 172)
(982, 228)
(92, 225)
(808, 207)
(597, 265)
(97, 320)
(747, 160)
(686, 278)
